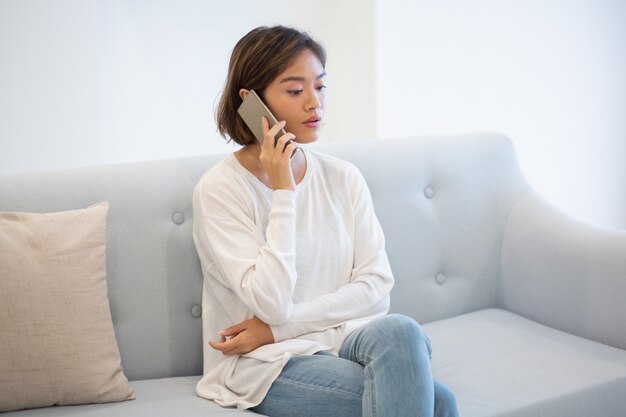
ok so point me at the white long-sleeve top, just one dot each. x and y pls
(311, 263)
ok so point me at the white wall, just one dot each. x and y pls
(550, 74)
(101, 81)
(49, 93)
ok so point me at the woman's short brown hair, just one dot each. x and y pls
(257, 59)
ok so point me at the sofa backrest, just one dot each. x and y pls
(442, 202)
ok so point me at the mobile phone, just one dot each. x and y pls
(251, 111)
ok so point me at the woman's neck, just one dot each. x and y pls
(248, 156)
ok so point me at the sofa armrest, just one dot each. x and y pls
(563, 273)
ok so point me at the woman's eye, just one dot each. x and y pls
(321, 87)
(294, 92)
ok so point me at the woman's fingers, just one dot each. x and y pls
(247, 336)
(291, 149)
(233, 330)
(276, 155)
(269, 135)
(229, 343)
(283, 143)
(233, 346)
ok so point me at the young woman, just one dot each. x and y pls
(296, 278)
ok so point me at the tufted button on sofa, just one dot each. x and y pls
(525, 307)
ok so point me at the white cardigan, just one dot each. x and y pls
(309, 263)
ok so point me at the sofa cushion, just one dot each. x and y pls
(501, 364)
(58, 344)
(171, 397)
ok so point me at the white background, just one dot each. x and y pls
(86, 82)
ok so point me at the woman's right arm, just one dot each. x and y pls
(261, 273)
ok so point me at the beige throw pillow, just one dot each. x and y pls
(57, 344)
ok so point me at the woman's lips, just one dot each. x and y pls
(313, 123)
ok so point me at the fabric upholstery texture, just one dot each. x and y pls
(584, 266)
(501, 364)
(58, 344)
(167, 397)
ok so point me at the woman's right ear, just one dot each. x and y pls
(243, 93)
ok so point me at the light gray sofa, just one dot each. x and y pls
(526, 308)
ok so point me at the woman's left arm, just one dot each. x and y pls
(366, 294)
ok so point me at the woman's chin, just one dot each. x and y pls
(308, 137)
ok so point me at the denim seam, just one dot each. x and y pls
(370, 380)
(319, 387)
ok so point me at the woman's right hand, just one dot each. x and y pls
(275, 156)
(244, 337)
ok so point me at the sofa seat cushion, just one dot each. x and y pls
(167, 397)
(501, 364)
(498, 364)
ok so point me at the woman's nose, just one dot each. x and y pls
(313, 101)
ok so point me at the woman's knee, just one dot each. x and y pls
(404, 327)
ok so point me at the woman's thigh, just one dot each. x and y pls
(316, 385)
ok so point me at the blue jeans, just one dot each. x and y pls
(383, 369)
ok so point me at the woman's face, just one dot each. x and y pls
(298, 96)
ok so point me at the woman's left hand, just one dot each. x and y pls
(244, 337)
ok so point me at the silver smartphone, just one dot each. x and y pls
(251, 111)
